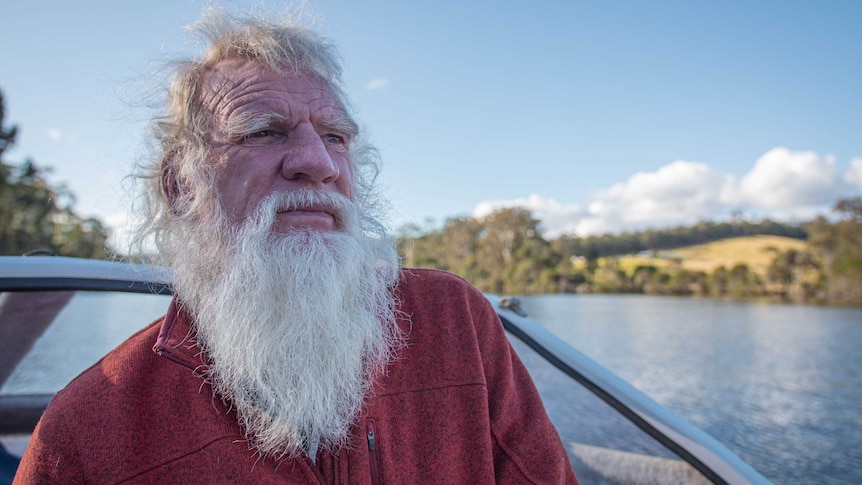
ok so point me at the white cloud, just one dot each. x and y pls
(853, 175)
(58, 136)
(783, 178)
(680, 191)
(378, 83)
(556, 218)
(783, 184)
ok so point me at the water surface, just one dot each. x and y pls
(780, 385)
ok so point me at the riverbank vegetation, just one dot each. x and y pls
(505, 253)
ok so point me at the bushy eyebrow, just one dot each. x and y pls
(246, 124)
(341, 124)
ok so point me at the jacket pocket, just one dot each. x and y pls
(373, 445)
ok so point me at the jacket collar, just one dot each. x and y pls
(176, 339)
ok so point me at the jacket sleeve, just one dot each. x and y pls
(527, 446)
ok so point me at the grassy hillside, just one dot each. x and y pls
(755, 251)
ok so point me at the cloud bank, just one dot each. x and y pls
(783, 184)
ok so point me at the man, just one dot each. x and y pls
(296, 350)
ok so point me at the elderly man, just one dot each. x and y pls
(296, 350)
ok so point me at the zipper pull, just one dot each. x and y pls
(369, 428)
(372, 452)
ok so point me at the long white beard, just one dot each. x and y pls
(297, 326)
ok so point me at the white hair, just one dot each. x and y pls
(178, 182)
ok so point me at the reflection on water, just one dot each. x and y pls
(780, 385)
(604, 447)
(89, 326)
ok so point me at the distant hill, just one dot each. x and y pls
(592, 247)
(755, 251)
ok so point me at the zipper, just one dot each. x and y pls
(372, 452)
(175, 360)
(317, 473)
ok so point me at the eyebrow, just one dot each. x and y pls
(342, 124)
(246, 124)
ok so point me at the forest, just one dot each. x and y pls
(505, 252)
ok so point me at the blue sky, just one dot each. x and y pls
(599, 116)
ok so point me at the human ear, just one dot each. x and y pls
(169, 183)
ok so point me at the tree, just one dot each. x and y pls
(461, 240)
(7, 135)
(850, 209)
(718, 281)
(742, 282)
(37, 215)
(838, 246)
(512, 252)
(609, 278)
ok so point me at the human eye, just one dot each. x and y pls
(260, 134)
(337, 131)
(333, 138)
(262, 137)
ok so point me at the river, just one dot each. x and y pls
(780, 385)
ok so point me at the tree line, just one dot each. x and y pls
(505, 253)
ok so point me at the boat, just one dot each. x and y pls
(614, 433)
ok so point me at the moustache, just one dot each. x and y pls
(342, 209)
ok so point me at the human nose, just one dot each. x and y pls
(309, 159)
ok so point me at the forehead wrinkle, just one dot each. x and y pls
(331, 112)
(260, 102)
(321, 110)
(222, 84)
(233, 92)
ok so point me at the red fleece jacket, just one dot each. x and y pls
(457, 407)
